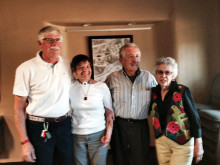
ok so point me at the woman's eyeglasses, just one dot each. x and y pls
(160, 72)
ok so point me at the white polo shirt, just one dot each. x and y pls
(46, 86)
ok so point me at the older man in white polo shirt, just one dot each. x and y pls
(41, 102)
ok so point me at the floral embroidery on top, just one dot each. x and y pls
(154, 96)
(177, 97)
(178, 126)
(173, 127)
(156, 123)
(181, 139)
(156, 120)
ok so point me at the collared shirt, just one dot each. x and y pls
(132, 78)
(45, 85)
(131, 100)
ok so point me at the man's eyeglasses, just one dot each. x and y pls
(160, 72)
(52, 40)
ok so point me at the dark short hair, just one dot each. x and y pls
(79, 58)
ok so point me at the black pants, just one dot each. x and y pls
(54, 151)
(130, 142)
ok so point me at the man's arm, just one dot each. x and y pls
(109, 115)
(28, 152)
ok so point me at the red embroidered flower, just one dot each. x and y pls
(154, 96)
(156, 123)
(181, 139)
(173, 127)
(177, 97)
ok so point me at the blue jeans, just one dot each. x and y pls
(58, 149)
(87, 149)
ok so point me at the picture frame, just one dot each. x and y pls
(104, 54)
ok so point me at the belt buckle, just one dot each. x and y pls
(34, 118)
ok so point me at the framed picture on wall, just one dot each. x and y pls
(104, 52)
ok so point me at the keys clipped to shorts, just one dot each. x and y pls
(45, 133)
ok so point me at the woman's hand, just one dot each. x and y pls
(107, 137)
(198, 149)
(109, 117)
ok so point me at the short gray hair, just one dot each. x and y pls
(127, 45)
(168, 61)
(47, 29)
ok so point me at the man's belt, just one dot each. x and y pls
(42, 119)
(131, 120)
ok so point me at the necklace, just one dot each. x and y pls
(85, 93)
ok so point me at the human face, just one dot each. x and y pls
(164, 75)
(51, 50)
(131, 60)
(83, 71)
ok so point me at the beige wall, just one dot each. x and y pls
(186, 30)
(198, 44)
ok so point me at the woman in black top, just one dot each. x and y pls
(175, 118)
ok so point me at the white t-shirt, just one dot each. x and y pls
(88, 115)
(46, 86)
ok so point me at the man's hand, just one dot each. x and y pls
(28, 152)
(20, 104)
(198, 150)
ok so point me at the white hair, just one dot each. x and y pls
(47, 29)
(168, 61)
(128, 45)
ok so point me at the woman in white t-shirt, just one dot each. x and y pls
(89, 99)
